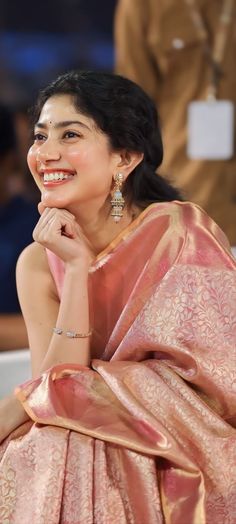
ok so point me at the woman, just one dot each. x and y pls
(129, 300)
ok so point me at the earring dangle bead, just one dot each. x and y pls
(117, 201)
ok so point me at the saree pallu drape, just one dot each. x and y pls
(147, 434)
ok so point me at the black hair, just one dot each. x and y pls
(126, 114)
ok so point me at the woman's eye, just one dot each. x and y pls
(71, 134)
(38, 137)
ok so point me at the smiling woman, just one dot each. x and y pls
(69, 150)
(128, 294)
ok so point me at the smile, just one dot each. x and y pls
(56, 177)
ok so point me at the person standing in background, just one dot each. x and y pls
(181, 52)
(18, 217)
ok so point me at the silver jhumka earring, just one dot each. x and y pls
(117, 201)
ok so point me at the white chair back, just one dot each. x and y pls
(14, 369)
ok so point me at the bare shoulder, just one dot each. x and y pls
(33, 257)
(33, 269)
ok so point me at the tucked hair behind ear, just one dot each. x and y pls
(126, 114)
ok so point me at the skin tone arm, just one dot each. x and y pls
(13, 334)
(40, 304)
(58, 231)
(43, 311)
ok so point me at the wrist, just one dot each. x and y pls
(78, 264)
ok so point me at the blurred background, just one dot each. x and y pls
(39, 41)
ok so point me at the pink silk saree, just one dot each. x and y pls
(147, 434)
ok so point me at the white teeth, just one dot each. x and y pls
(58, 175)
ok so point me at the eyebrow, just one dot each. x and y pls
(60, 125)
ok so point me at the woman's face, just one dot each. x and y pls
(70, 159)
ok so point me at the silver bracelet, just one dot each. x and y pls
(72, 334)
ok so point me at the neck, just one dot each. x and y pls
(99, 226)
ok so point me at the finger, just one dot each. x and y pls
(41, 208)
(44, 213)
(54, 222)
(65, 213)
(44, 218)
(50, 212)
(68, 222)
(68, 230)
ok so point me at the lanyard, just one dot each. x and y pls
(215, 54)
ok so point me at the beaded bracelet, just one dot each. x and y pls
(72, 334)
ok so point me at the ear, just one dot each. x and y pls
(127, 162)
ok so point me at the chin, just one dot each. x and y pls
(50, 200)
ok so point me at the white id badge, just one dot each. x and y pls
(210, 130)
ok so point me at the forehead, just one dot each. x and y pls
(61, 108)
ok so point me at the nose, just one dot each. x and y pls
(47, 152)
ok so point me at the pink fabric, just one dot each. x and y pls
(147, 434)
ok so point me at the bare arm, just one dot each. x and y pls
(38, 296)
(13, 334)
(73, 316)
(39, 301)
(42, 309)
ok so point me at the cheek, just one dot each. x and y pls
(89, 156)
(32, 164)
(31, 160)
(81, 159)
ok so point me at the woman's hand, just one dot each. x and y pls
(12, 415)
(58, 231)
